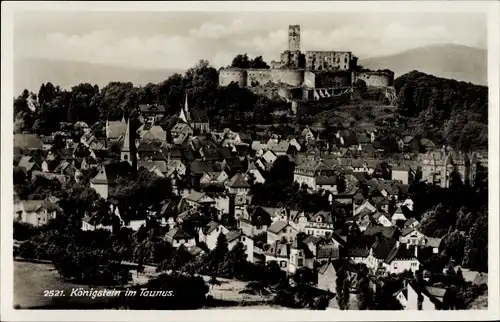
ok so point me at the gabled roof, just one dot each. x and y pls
(356, 252)
(196, 196)
(200, 167)
(181, 128)
(407, 139)
(26, 162)
(400, 253)
(383, 247)
(406, 231)
(27, 141)
(232, 235)
(109, 173)
(36, 205)
(281, 146)
(326, 180)
(238, 181)
(177, 233)
(427, 143)
(326, 217)
(312, 240)
(151, 108)
(210, 227)
(277, 226)
(387, 232)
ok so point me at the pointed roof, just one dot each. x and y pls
(126, 139)
(185, 111)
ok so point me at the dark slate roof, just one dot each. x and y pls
(326, 180)
(177, 233)
(199, 116)
(277, 226)
(355, 252)
(312, 239)
(232, 235)
(383, 247)
(111, 172)
(238, 181)
(400, 253)
(211, 226)
(387, 232)
(27, 141)
(200, 167)
(151, 108)
(259, 216)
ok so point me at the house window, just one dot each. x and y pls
(300, 262)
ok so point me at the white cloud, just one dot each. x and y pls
(210, 30)
(220, 41)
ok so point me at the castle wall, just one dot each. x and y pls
(328, 60)
(292, 77)
(257, 77)
(375, 79)
(227, 76)
(329, 79)
(309, 79)
(284, 92)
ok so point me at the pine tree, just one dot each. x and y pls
(221, 248)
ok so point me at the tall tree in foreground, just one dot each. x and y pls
(365, 294)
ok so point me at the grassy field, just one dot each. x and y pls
(31, 280)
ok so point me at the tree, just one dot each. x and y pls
(221, 248)
(258, 62)
(365, 294)
(342, 287)
(476, 246)
(241, 61)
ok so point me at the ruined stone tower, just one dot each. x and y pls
(294, 38)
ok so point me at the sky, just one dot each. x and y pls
(179, 39)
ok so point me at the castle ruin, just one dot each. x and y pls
(309, 75)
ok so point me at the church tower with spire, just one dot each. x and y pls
(184, 114)
(129, 151)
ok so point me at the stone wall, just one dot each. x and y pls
(292, 77)
(229, 75)
(375, 79)
(309, 79)
(256, 77)
(328, 60)
(328, 79)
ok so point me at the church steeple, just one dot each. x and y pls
(128, 152)
(184, 114)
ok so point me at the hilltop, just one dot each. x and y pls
(30, 73)
(458, 62)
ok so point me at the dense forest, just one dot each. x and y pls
(447, 111)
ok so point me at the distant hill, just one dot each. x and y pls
(451, 61)
(30, 73)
